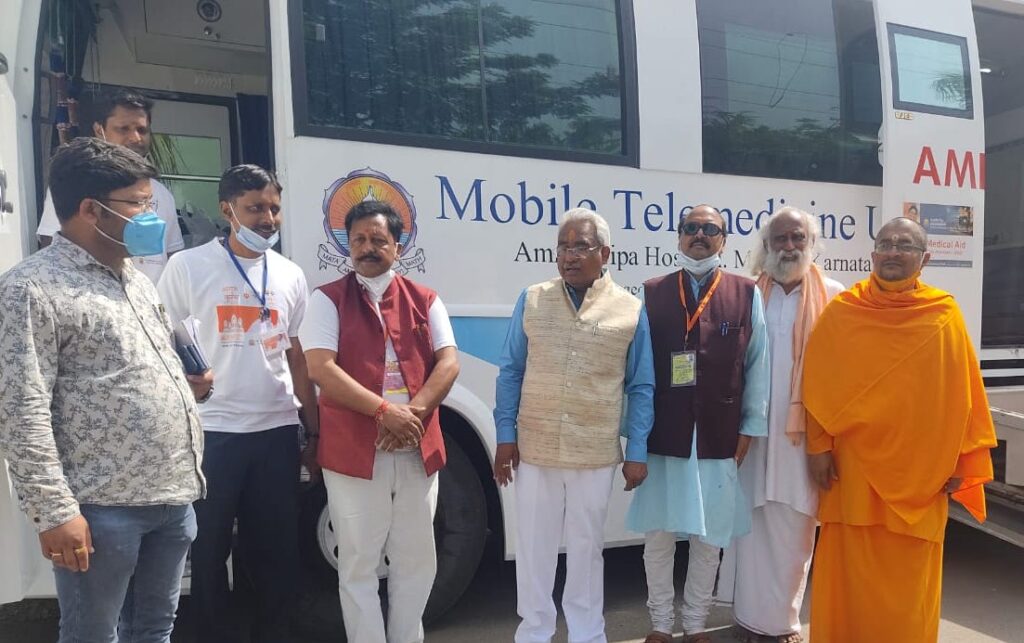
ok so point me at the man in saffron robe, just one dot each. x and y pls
(897, 418)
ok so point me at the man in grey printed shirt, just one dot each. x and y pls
(97, 419)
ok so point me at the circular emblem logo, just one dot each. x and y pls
(366, 184)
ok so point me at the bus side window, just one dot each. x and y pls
(791, 89)
(543, 75)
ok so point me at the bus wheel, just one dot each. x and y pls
(460, 533)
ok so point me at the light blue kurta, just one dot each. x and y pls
(702, 497)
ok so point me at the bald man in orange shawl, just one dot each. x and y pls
(897, 418)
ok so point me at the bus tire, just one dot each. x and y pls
(460, 533)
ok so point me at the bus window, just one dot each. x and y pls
(791, 89)
(930, 72)
(541, 75)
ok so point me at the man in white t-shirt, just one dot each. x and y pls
(249, 302)
(382, 350)
(124, 118)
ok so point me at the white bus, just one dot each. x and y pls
(481, 121)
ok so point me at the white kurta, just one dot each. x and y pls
(778, 469)
(769, 566)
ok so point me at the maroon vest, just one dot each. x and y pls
(347, 437)
(715, 403)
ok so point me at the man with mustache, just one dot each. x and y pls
(124, 118)
(711, 397)
(575, 367)
(773, 559)
(904, 426)
(249, 301)
(382, 350)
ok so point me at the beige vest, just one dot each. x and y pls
(572, 393)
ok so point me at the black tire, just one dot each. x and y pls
(460, 533)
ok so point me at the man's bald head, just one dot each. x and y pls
(909, 225)
(901, 250)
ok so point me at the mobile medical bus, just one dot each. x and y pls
(481, 121)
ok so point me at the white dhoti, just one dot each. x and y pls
(391, 514)
(771, 570)
(552, 503)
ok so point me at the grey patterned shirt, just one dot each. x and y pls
(94, 404)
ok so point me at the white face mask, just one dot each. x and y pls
(376, 286)
(699, 267)
(252, 239)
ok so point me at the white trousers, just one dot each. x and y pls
(552, 503)
(698, 592)
(771, 570)
(391, 514)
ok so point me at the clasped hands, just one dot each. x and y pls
(400, 426)
(822, 467)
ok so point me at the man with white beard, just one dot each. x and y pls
(773, 559)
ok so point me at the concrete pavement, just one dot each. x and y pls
(983, 600)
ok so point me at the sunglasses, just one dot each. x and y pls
(709, 229)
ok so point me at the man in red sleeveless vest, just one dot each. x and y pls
(382, 351)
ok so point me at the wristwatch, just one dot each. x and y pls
(206, 397)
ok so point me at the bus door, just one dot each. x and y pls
(20, 561)
(933, 138)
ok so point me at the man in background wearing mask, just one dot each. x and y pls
(382, 350)
(100, 428)
(124, 118)
(711, 396)
(249, 301)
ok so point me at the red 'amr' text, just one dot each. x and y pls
(968, 168)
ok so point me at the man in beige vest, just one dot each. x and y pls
(578, 347)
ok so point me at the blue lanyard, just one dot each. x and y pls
(261, 296)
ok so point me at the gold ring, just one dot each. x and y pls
(507, 466)
(56, 554)
(79, 550)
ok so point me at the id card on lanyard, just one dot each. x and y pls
(684, 363)
(273, 339)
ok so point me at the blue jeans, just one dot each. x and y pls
(130, 593)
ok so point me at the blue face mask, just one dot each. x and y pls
(143, 234)
(251, 239)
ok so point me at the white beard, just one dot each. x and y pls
(786, 270)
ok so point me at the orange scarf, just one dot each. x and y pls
(813, 298)
(892, 376)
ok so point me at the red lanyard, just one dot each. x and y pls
(691, 321)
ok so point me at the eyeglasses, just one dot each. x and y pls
(574, 251)
(709, 229)
(904, 248)
(148, 204)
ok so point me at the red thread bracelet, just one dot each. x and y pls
(378, 415)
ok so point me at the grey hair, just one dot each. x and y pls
(604, 233)
(759, 256)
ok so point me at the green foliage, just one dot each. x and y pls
(462, 69)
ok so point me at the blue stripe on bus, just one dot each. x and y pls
(481, 337)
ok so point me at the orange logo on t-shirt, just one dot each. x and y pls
(233, 322)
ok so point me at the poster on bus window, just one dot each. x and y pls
(950, 231)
